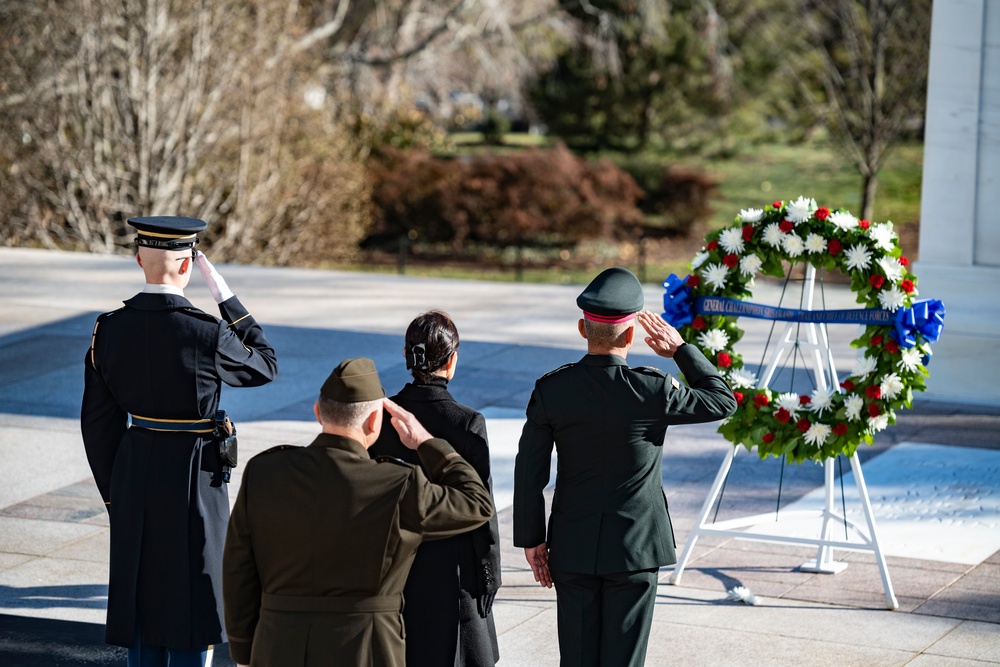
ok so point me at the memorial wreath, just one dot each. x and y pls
(895, 342)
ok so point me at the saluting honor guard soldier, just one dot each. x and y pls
(149, 421)
(322, 537)
(609, 531)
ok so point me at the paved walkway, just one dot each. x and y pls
(934, 477)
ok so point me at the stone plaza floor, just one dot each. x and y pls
(933, 478)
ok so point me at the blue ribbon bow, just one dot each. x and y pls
(925, 317)
(677, 301)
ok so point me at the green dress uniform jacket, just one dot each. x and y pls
(607, 422)
(320, 544)
(160, 357)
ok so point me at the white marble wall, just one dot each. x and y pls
(960, 210)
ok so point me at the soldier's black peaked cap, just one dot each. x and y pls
(167, 232)
(613, 296)
(353, 381)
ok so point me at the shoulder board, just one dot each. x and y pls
(93, 336)
(278, 448)
(392, 459)
(556, 370)
(650, 370)
(201, 314)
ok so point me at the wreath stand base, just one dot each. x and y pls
(825, 374)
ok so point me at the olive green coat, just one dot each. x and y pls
(320, 542)
(607, 422)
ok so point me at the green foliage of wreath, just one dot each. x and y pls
(823, 424)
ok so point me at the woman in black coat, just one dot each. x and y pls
(449, 593)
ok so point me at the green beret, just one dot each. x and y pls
(167, 232)
(353, 381)
(613, 296)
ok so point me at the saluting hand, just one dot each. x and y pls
(411, 432)
(538, 559)
(663, 339)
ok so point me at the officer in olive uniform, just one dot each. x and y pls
(152, 381)
(322, 537)
(609, 531)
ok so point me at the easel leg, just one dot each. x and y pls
(859, 479)
(824, 562)
(713, 494)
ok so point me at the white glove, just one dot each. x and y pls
(216, 283)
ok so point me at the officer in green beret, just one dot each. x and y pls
(322, 537)
(151, 394)
(609, 531)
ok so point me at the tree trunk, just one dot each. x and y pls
(869, 184)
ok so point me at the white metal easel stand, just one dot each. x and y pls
(817, 347)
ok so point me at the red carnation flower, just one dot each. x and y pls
(693, 280)
(739, 397)
(876, 339)
(783, 415)
(778, 204)
(877, 281)
(698, 323)
(847, 385)
(891, 346)
(768, 438)
(874, 410)
(747, 232)
(834, 247)
(874, 391)
(760, 400)
(822, 213)
(712, 245)
(786, 226)
(804, 400)
(906, 286)
(725, 360)
(864, 224)
(803, 424)
(840, 429)
(731, 260)
(904, 261)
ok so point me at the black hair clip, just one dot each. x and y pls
(416, 357)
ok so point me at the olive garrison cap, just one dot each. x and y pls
(614, 294)
(167, 232)
(353, 381)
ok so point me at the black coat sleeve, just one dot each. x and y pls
(244, 358)
(103, 423)
(486, 538)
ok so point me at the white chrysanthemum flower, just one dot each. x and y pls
(892, 268)
(751, 215)
(858, 257)
(817, 434)
(853, 406)
(891, 385)
(750, 265)
(880, 423)
(731, 240)
(864, 366)
(843, 220)
(773, 235)
(822, 400)
(699, 259)
(883, 235)
(912, 358)
(742, 378)
(713, 340)
(715, 275)
(892, 299)
(800, 210)
(789, 401)
(793, 244)
(815, 243)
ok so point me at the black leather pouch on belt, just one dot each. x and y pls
(225, 435)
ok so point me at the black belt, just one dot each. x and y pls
(188, 425)
(340, 604)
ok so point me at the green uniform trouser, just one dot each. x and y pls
(604, 620)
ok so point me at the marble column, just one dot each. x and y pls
(960, 207)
